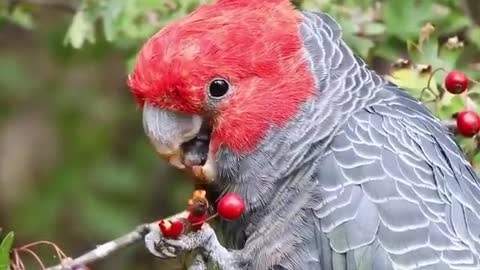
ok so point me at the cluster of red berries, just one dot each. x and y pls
(230, 207)
(468, 121)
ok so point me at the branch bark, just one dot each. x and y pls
(108, 248)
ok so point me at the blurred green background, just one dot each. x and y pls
(75, 166)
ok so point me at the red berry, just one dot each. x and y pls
(196, 221)
(231, 206)
(468, 123)
(171, 228)
(456, 82)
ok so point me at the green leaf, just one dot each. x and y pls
(5, 248)
(361, 46)
(426, 53)
(22, 18)
(413, 80)
(454, 22)
(110, 14)
(474, 36)
(450, 105)
(373, 29)
(404, 18)
(82, 29)
(389, 49)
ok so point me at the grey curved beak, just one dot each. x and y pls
(168, 130)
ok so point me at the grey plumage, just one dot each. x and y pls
(363, 178)
(372, 180)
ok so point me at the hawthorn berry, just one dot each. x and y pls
(231, 206)
(468, 123)
(456, 82)
(196, 221)
(171, 228)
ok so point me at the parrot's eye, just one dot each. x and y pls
(218, 88)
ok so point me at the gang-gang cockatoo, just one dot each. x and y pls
(339, 168)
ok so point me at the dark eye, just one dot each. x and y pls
(218, 88)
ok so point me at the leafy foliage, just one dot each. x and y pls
(5, 247)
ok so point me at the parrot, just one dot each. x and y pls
(339, 168)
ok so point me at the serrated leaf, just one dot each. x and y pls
(5, 248)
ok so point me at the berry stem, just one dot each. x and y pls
(474, 81)
(429, 82)
(433, 74)
(206, 220)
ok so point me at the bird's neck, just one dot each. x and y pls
(276, 179)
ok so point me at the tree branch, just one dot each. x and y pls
(106, 249)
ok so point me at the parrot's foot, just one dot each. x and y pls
(153, 242)
(204, 240)
(189, 241)
(170, 248)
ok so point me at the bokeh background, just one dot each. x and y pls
(75, 166)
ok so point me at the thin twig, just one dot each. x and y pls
(451, 125)
(110, 247)
(16, 263)
(60, 254)
(34, 255)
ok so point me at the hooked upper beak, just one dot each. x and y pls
(168, 130)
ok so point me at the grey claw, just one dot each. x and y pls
(178, 244)
(171, 250)
(154, 244)
(166, 252)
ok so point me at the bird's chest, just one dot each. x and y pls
(273, 243)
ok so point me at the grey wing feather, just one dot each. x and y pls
(394, 189)
(416, 198)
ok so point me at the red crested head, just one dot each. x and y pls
(238, 62)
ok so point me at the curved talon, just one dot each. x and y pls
(155, 245)
(176, 244)
(166, 252)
